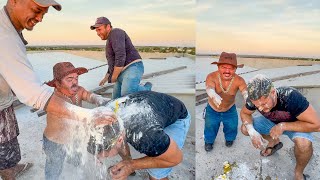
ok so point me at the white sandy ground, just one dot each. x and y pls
(249, 164)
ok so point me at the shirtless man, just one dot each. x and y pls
(222, 87)
(58, 132)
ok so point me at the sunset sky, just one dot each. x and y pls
(273, 27)
(157, 22)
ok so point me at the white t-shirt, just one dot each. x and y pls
(16, 71)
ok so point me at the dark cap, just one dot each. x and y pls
(259, 86)
(99, 22)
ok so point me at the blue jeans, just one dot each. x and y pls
(178, 132)
(129, 81)
(213, 120)
(264, 125)
(55, 155)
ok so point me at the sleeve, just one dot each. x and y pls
(19, 74)
(249, 105)
(297, 103)
(118, 45)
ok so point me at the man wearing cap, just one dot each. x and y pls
(18, 77)
(60, 134)
(125, 65)
(284, 110)
(222, 87)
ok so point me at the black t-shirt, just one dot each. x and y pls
(145, 114)
(290, 104)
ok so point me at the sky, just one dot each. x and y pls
(273, 27)
(157, 22)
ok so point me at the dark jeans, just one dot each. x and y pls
(9, 154)
(213, 120)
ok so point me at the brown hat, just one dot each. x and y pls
(228, 58)
(62, 69)
(47, 3)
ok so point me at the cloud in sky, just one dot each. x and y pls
(277, 27)
(157, 22)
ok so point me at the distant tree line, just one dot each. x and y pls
(160, 49)
(266, 57)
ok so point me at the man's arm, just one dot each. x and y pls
(119, 47)
(63, 109)
(171, 157)
(210, 89)
(308, 121)
(248, 129)
(93, 98)
(243, 89)
(115, 74)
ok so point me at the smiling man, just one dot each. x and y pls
(125, 65)
(285, 111)
(222, 87)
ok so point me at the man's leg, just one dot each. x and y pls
(178, 132)
(55, 155)
(117, 89)
(131, 79)
(230, 125)
(9, 157)
(211, 127)
(303, 151)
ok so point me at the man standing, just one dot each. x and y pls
(125, 65)
(284, 111)
(222, 87)
(17, 77)
(155, 124)
(60, 133)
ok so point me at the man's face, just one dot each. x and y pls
(27, 14)
(103, 31)
(69, 84)
(226, 71)
(266, 103)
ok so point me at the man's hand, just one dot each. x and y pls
(121, 170)
(256, 138)
(113, 79)
(104, 80)
(214, 96)
(276, 131)
(102, 116)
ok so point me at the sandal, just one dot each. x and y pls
(25, 168)
(274, 149)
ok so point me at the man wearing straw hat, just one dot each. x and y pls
(60, 135)
(222, 87)
(17, 77)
